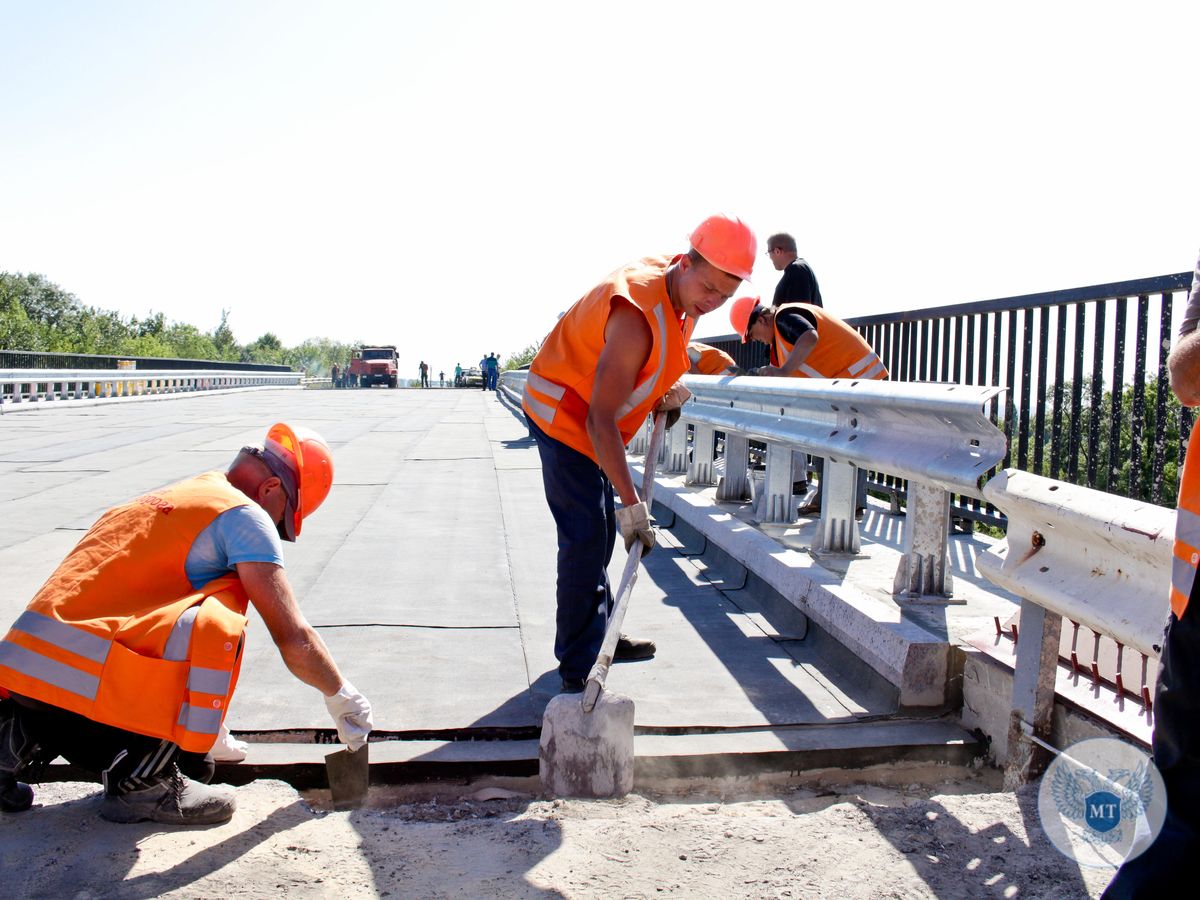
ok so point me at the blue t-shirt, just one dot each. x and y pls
(242, 534)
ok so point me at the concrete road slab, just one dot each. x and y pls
(26, 566)
(430, 551)
(467, 440)
(417, 679)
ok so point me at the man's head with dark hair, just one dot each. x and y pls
(781, 248)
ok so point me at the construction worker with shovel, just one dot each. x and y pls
(126, 659)
(613, 357)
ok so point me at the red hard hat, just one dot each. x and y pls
(310, 462)
(739, 315)
(727, 243)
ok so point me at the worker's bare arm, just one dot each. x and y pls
(627, 343)
(1184, 367)
(303, 651)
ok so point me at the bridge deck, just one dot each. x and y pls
(429, 571)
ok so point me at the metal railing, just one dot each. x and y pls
(24, 386)
(1083, 368)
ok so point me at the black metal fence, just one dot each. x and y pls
(1088, 400)
(24, 359)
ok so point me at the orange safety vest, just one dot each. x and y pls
(710, 360)
(841, 352)
(559, 387)
(1187, 529)
(119, 635)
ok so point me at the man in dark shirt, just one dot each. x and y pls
(798, 284)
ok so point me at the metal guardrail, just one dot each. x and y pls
(1085, 368)
(935, 435)
(19, 386)
(1101, 562)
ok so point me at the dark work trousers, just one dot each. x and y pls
(122, 760)
(1169, 863)
(580, 497)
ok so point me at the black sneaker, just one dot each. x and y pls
(632, 648)
(573, 685)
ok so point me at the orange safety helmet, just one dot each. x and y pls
(308, 461)
(740, 313)
(727, 243)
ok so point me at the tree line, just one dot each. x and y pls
(37, 315)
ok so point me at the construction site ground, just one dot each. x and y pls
(771, 760)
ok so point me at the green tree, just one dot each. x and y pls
(522, 357)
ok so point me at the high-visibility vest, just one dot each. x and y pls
(840, 352)
(710, 360)
(1187, 529)
(559, 387)
(119, 635)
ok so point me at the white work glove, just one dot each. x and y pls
(634, 522)
(227, 748)
(352, 714)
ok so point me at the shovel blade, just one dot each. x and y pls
(349, 777)
(587, 754)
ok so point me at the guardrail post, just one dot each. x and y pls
(1033, 694)
(837, 531)
(701, 469)
(924, 570)
(776, 503)
(735, 484)
(677, 448)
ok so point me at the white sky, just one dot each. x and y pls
(449, 176)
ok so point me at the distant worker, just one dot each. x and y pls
(126, 659)
(798, 283)
(424, 369)
(611, 359)
(493, 371)
(441, 379)
(709, 360)
(457, 375)
(335, 375)
(483, 373)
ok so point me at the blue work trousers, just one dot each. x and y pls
(580, 497)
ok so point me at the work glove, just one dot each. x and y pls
(351, 714)
(634, 522)
(227, 748)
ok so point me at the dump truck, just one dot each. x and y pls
(374, 365)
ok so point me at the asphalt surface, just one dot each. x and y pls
(429, 571)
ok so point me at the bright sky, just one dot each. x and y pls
(449, 176)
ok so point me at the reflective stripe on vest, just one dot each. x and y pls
(74, 640)
(544, 386)
(199, 719)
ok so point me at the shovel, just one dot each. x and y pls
(349, 776)
(586, 748)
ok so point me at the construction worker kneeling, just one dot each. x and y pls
(126, 659)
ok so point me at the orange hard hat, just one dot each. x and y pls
(727, 243)
(739, 315)
(307, 459)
